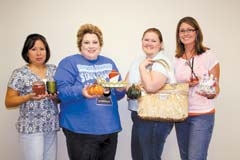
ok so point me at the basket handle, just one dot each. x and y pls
(171, 77)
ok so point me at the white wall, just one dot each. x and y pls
(123, 23)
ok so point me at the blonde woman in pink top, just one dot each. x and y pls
(194, 63)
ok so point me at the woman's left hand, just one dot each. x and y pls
(208, 95)
(52, 96)
(120, 89)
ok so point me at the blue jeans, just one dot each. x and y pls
(39, 146)
(148, 138)
(194, 136)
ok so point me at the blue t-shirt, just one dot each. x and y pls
(78, 113)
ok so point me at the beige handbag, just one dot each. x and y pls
(169, 104)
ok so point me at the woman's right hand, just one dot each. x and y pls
(193, 82)
(145, 63)
(86, 94)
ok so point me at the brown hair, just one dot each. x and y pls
(155, 30)
(88, 28)
(199, 47)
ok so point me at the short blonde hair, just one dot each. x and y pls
(89, 28)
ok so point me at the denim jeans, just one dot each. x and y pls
(39, 146)
(91, 147)
(194, 136)
(148, 138)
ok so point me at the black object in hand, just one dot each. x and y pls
(106, 91)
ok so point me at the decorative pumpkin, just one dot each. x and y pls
(95, 89)
(134, 92)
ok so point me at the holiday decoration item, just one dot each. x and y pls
(113, 76)
(207, 84)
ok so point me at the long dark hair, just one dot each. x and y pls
(199, 47)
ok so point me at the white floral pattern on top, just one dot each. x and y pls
(34, 116)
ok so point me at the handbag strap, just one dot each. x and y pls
(165, 64)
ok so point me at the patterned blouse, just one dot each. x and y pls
(35, 116)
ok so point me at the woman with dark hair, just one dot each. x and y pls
(193, 63)
(38, 118)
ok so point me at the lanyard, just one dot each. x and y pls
(191, 67)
